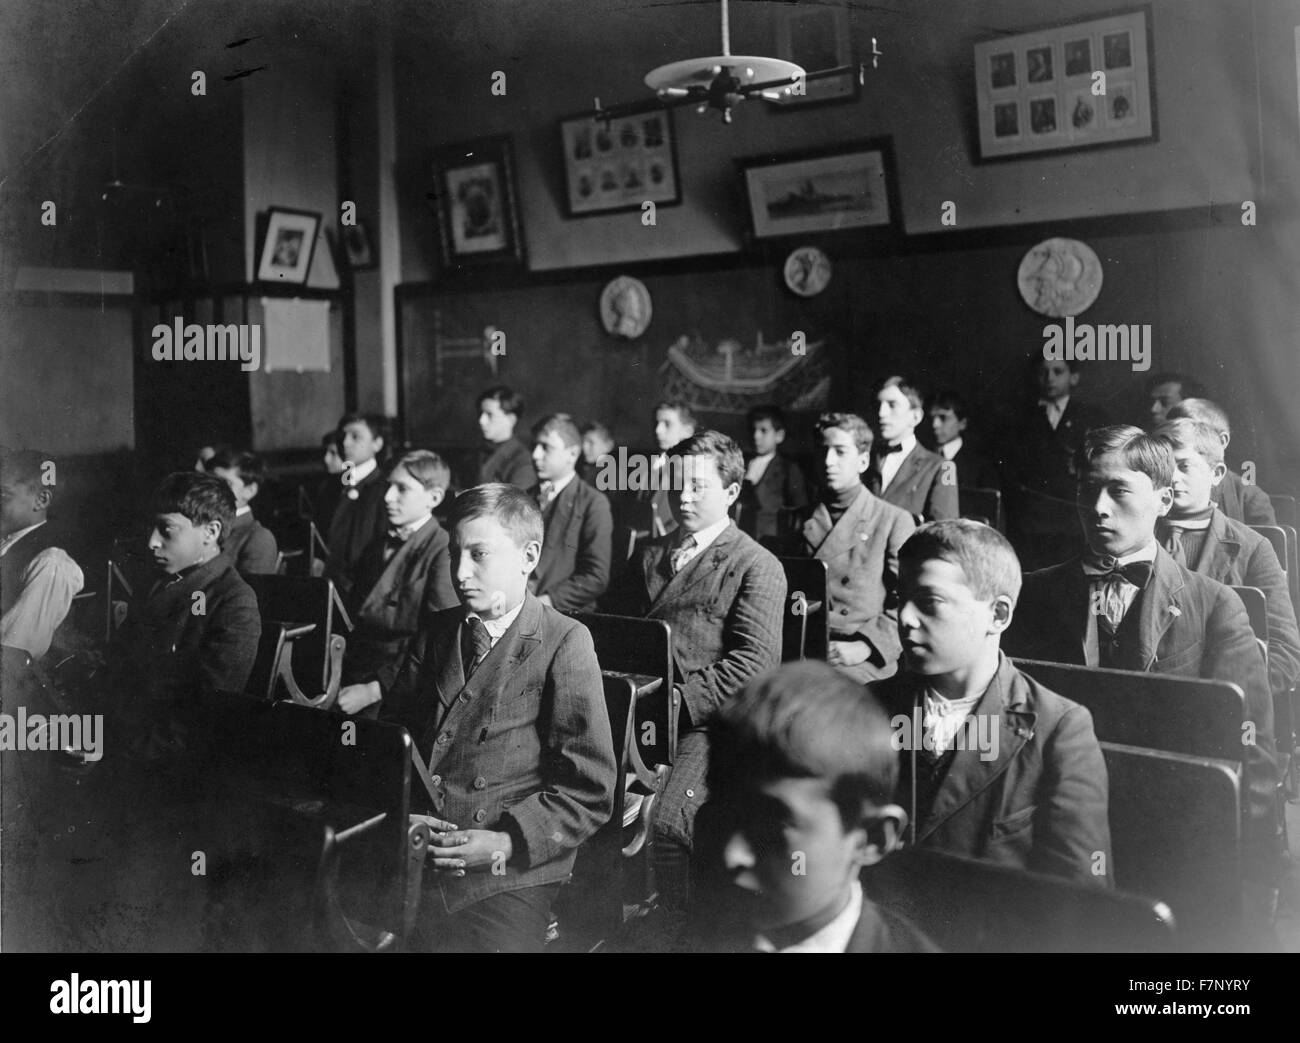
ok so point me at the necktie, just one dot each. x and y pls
(682, 552)
(476, 643)
(885, 450)
(545, 495)
(393, 541)
(1174, 544)
(1136, 572)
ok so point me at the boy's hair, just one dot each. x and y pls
(774, 414)
(1196, 435)
(683, 410)
(25, 467)
(852, 424)
(950, 400)
(560, 424)
(1140, 452)
(198, 496)
(377, 425)
(595, 427)
(909, 388)
(517, 512)
(426, 468)
(726, 454)
(985, 557)
(1205, 411)
(1187, 387)
(510, 401)
(249, 466)
(807, 720)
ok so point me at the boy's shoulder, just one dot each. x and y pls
(880, 929)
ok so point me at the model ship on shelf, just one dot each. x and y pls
(729, 378)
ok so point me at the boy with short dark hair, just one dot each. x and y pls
(801, 789)
(249, 544)
(504, 699)
(724, 597)
(1004, 770)
(403, 576)
(503, 457)
(1166, 390)
(949, 418)
(904, 472)
(578, 547)
(773, 482)
(359, 515)
(1237, 499)
(674, 423)
(1199, 536)
(858, 536)
(1124, 603)
(196, 632)
(597, 442)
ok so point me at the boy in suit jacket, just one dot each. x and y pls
(248, 544)
(359, 515)
(802, 775)
(1004, 770)
(504, 700)
(503, 457)
(404, 575)
(196, 633)
(1041, 447)
(653, 513)
(948, 420)
(904, 473)
(858, 536)
(38, 576)
(579, 542)
(1126, 604)
(1201, 538)
(773, 482)
(724, 596)
(1238, 500)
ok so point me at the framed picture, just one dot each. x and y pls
(817, 38)
(478, 210)
(620, 163)
(357, 248)
(288, 245)
(823, 190)
(1075, 86)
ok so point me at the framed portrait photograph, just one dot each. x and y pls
(288, 245)
(1073, 86)
(357, 248)
(478, 210)
(822, 190)
(620, 163)
(816, 38)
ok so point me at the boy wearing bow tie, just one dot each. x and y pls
(359, 515)
(504, 701)
(1125, 603)
(403, 576)
(905, 473)
(579, 542)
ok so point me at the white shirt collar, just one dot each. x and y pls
(834, 937)
(951, 449)
(356, 475)
(1147, 553)
(14, 537)
(496, 628)
(908, 442)
(410, 529)
(559, 485)
(241, 511)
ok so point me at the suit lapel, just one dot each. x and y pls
(969, 774)
(395, 573)
(855, 523)
(1159, 607)
(1219, 552)
(702, 565)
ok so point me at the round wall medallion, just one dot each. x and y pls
(625, 307)
(807, 271)
(1060, 277)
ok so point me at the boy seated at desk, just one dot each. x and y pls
(249, 544)
(504, 699)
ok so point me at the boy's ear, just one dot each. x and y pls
(1003, 609)
(1074, 378)
(779, 436)
(437, 494)
(212, 530)
(379, 444)
(532, 555)
(1218, 472)
(44, 496)
(880, 834)
(252, 488)
(1166, 495)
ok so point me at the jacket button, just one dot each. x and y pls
(690, 793)
(844, 580)
(844, 612)
(480, 815)
(480, 783)
(466, 697)
(436, 779)
(443, 739)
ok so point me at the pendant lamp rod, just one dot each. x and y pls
(726, 31)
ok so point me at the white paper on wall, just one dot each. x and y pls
(295, 335)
